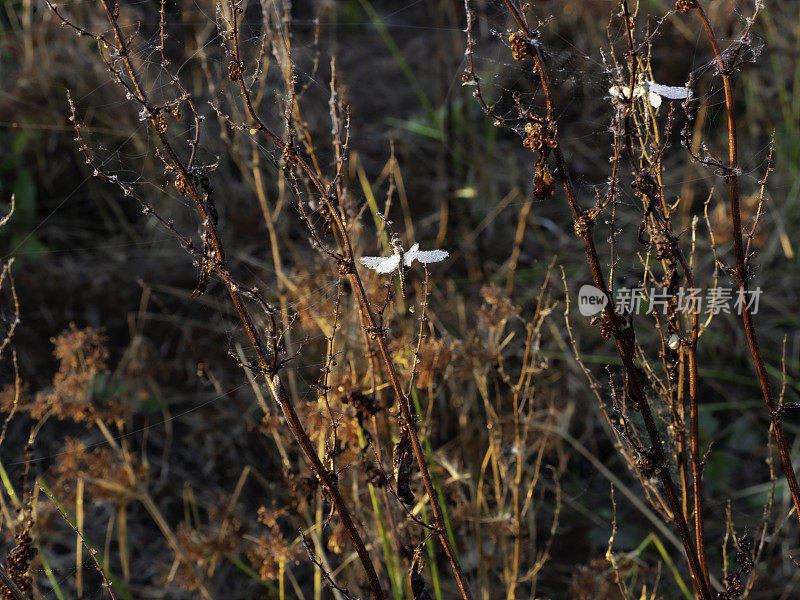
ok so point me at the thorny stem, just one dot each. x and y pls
(257, 342)
(626, 345)
(726, 72)
(194, 142)
(404, 403)
(366, 309)
(92, 551)
(422, 317)
(624, 336)
(279, 393)
(691, 348)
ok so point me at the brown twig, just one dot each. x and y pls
(689, 347)
(741, 269)
(620, 328)
(347, 267)
(214, 257)
(92, 551)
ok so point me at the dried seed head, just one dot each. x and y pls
(543, 181)
(289, 156)
(346, 267)
(235, 70)
(182, 185)
(18, 562)
(520, 46)
(539, 137)
(605, 324)
(583, 225)
(160, 122)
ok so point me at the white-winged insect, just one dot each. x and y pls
(653, 91)
(400, 259)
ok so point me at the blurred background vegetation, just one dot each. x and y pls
(85, 255)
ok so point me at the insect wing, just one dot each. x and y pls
(381, 264)
(372, 262)
(426, 256)
(669, 91)
(388, 264)
(654, 99)
(410, 254)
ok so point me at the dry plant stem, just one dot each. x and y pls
(7, 273)
(9, 584)
(277, 390)
(626, 346)
(257, 342)
(143, 496)
(741, 265)
(689, 349)
(279, 394)
(525, 376)
(348, 265)
(623, 336)
(694, 428)
(405, 408)
(92, 552)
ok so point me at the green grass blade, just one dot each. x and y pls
(251, 573)
(7, 485)
(436, 483)
(668, 560)
(48, 571)
(395, 575)
(437, 584)
(119, 585)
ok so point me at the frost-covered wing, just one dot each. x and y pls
(426, 256)
(389, 264)
(654, 99)
(654, 92)
(381, 264)
(372, 262)
(409, 256)
(669, 91)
